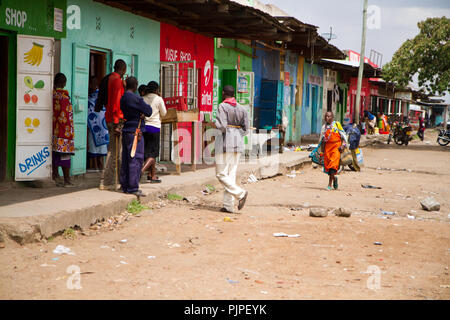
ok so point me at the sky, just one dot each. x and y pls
(398, 21)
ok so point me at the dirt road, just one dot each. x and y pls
(187, 251)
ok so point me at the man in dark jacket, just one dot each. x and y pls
(134, 109)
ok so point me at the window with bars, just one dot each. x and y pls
(179, 79)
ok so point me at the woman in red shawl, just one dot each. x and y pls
(63, 131)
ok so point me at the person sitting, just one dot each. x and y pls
(370, 122)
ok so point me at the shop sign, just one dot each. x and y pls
(315, 80)
(42, 18)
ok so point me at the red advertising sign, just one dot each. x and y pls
(181, 45)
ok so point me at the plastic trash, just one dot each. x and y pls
(232, 281)
(124, 241)
(388, 213)
(227, 219)
(55, 259)
(282, 234)
(151, 257)
(368, 186)
(410, 217)
(377, 243)
(252, 179)
(60, 249)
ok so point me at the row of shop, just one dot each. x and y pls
(274, 80)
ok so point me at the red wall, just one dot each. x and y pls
(181, 45)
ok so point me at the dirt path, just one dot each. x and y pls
(187, 251)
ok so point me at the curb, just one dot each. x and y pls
(25, 230)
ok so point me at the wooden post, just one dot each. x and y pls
(177, 148)
(193, 149)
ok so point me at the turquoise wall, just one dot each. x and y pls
(114, 35)
(307, 126)
(119, 33)
(291, 66)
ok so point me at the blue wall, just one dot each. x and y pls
(265, 66)
(307, 99)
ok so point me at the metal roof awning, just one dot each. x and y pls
(234, 20)
(351, 66)
(213, 18)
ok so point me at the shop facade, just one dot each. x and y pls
(28, 31)
(98, 35)
(312, 99)
(187, 70)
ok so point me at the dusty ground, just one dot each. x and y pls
(188, 251)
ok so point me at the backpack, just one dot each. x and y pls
(102, 99)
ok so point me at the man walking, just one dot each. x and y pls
(232, 121)
(114, 122)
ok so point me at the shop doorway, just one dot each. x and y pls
(98, 68)
(330, 100)
(314, 110)
(4, 45)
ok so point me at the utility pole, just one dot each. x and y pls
(361, 63)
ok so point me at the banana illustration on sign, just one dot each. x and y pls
(34, 56)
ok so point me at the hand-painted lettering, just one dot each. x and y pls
(33, 162)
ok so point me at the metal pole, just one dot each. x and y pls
(361, 62)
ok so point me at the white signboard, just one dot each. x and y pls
(34, 107)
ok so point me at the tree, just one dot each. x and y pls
(427, 55)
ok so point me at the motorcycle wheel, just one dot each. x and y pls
(398, 140)
(442, 142)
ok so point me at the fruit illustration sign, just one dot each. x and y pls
(34, 107)
(35, 55)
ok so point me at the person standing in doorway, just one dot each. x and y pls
(114, 122)
(63, 131)
(134, 109)
(98, 136)
(152, 130)
(232, 121)
(333, 140)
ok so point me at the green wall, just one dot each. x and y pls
(227, 58)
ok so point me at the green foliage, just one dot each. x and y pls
(69, 234)
(428, 54)
(174, 196)
(134, 207)
(210, 188)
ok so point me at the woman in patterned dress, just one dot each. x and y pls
(63, 131)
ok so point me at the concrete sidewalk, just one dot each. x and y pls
(32, 220)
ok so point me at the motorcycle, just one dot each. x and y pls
(403, 134)
(444, 137)
(394, 130)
